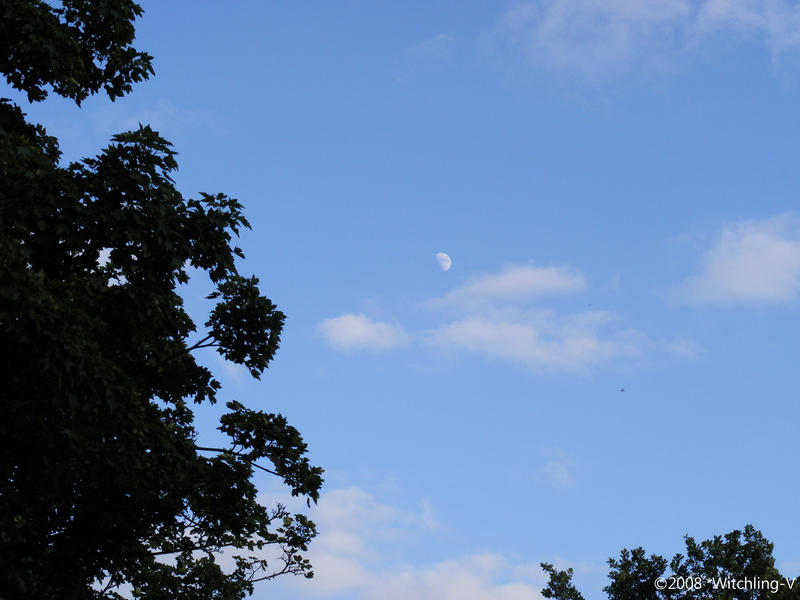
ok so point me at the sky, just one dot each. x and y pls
(615, 184)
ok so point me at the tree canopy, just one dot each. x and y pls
(736, 566)
(103, 486)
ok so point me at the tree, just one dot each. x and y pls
(736, 566)
(102, 481)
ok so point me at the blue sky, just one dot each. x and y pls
(616, 184)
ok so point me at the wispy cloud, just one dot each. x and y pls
(356, 331)
(594, 39)
(429, 55)
(776, 21)
(162, 116)
(498, 316)
(752, 262)
(436, 49)
(496, 319)
(352, 559)
(559, 469)
(541, 341)
(512, 284)
(683, 347)
(598, 39)
(474, 577)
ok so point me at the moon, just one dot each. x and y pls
(444, 261)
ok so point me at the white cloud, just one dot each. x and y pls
(514, 283)
(542, 341)
(474, 577)
(352, 559)
(352, 523)
(597, 39)
(351, 331)
(356, 511)
(753, 262)
(492, 316)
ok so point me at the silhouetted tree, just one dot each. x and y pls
(102, 483)
(736, 566)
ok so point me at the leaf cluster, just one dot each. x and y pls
(76, 49)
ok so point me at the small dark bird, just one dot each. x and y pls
(622, 389)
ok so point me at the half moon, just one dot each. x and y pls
(444, 261)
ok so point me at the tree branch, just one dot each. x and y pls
(196, 346)
(240, 455)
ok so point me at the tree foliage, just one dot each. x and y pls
(736, 566)
(102, 481)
